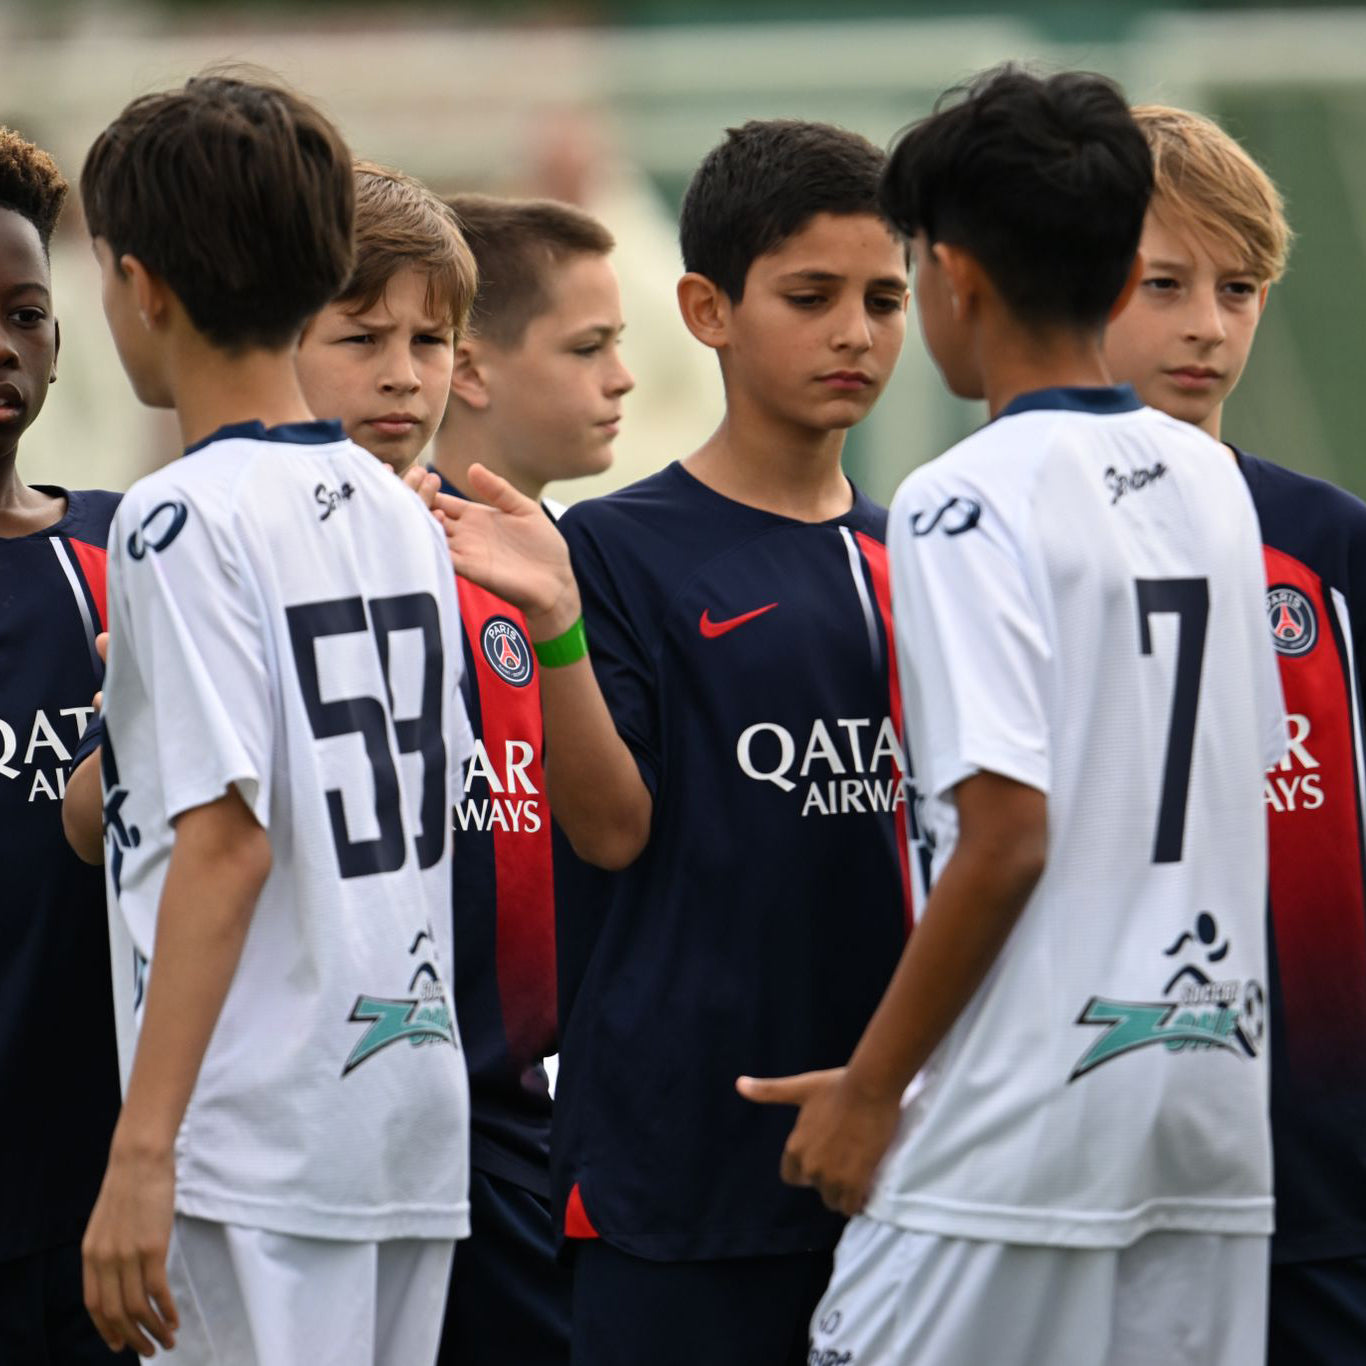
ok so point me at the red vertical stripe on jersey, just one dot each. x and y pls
(875, 556)
(523, 871)
(92, 560)
(1315, 849)
(577, 1224)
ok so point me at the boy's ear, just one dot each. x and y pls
(56, 347)
(469, 382)
(1130, 284)
(150, 291)
(706, 309)
(963, 276)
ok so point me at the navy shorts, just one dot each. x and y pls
(509, 1297)
(1318, 1313)
(744, 1311)
(43, 1320)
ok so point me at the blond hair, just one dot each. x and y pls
(401, 224)
(1204, 178)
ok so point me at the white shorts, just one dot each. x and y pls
(1171, 1299)
(247, 1297)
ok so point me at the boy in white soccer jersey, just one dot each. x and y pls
(283, 737)
(1080, 1172)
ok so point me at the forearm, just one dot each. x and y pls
(83, 810)
(217, 869)
(969, 916)
(596, 792)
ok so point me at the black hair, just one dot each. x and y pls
(239, 194)
(30, 184)
(763, 184)
(1045, 181)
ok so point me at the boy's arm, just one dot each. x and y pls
(218, 865)
(83, 802)
(848, 1116)
(508, 545)
(83, 811)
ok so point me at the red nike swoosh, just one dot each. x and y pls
(711, 629)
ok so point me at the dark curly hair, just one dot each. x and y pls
(30, 183)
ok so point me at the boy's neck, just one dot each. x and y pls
(774, 466)
(459, 445)
(1013, 361)
(24, 510)
(213, 388)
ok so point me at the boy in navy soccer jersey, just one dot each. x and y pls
(58, 1069)
(537, 397)
(731, 755)
(1214, 242)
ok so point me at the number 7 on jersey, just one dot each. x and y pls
(1188, 600)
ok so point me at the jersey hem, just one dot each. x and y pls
(338, 1225)
(1071, 1228)
(1318, 1247)
(719, 1247)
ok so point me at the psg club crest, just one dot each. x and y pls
(1294, 624)
(507, 651)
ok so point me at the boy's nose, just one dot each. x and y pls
(852, 331)
(1204, 321)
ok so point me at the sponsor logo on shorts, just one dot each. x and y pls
(1199, 1013)
(507, 651)
(1294, 623)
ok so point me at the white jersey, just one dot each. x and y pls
(1079, 606)
(283, 620)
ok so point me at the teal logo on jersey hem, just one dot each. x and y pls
(1229, 1015)
(1137, 1024)
(421, 1021)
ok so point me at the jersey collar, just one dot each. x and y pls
(1100, 400)
(316, 433)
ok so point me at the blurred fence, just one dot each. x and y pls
(620, 117)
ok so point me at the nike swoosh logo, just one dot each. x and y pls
(711, 629)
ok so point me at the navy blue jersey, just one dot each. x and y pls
(746, 661)
(59, 1086)
(504, 897)
(1314, 539)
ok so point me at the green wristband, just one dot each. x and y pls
(568, 648)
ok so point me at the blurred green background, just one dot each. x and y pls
(612, 103)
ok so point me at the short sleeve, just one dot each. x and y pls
(1271, 703)
(188, 618)
(92, 737)
(621, 660)
(972, 648)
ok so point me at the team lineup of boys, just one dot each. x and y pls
(1013, 836)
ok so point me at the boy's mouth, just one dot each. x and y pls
(11, 402)
(846, 380)
(393, 424)
(1195, 377)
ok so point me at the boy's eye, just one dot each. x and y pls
(364, 338)
(885, 303)
(1161, 284)
(28, 317)
(1242, 288)
(806, 300)
(588, 349)
(428, 340)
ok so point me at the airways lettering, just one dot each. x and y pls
(1302, 790)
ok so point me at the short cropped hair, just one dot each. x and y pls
(1203, 178)
(764, 184)
(517, 244)
(30, 184)
(239, 195)
(401, 224)
(1045, 181)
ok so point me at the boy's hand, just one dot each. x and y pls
(124, 1253)
(840, 1136)
(423, 483)
(101, 649)
(508, 545)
